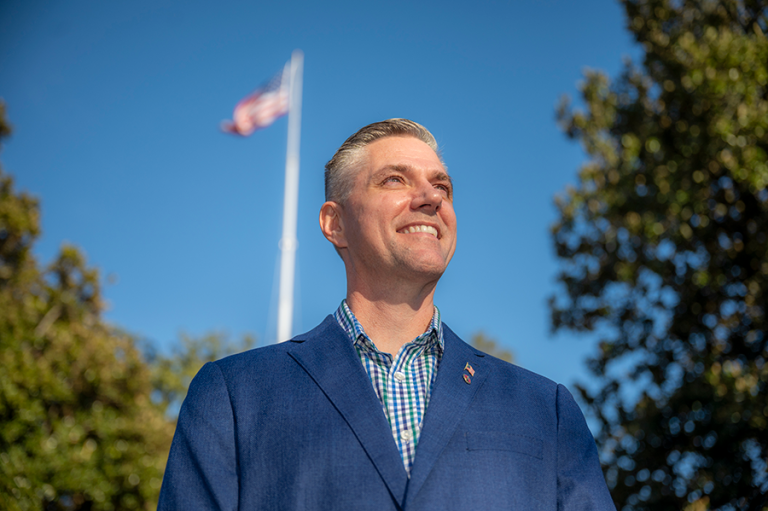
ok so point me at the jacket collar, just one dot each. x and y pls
(328, 356)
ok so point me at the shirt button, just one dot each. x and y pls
(406, 435)
(399, 376)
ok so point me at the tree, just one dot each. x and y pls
(86, 416)
(77, 427)
(663, 255)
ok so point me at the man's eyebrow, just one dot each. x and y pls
(442, 176)
(405, 169)
(397, 168)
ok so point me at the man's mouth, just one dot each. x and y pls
(411, 229)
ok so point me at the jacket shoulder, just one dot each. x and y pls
(269, 356)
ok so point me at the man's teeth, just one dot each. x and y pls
(421, 228)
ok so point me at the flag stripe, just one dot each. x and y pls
(262, 107)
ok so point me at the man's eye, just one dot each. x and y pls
(394, 179)
(445, 188)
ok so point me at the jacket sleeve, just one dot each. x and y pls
(580, 482)
(202, 466)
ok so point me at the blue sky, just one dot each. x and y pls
(116, 109)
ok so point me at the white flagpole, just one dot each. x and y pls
(288, 243)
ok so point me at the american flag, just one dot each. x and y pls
(260, 108)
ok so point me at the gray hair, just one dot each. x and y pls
(340, 171)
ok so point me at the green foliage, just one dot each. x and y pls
(77, 427)
(84, 415)
(491, 346)
(664, 255)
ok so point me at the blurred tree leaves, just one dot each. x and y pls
(663, 254)
(491, 346)
(77, 427)
(86, 418)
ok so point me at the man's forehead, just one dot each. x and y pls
(402, 153)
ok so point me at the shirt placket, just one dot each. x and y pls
(406, 409)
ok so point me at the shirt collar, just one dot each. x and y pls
(432, 336)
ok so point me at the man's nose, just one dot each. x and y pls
(427, 197)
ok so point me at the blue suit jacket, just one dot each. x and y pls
(298, 425)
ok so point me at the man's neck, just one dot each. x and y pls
(392, 321)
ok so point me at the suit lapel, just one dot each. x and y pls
(330, 359)
(451, 396)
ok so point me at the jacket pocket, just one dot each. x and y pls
(500, 441)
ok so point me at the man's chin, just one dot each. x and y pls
(425, 270)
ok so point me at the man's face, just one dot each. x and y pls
(399, 219)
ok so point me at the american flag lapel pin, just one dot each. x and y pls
(468, 377)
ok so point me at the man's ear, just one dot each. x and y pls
(332, 225)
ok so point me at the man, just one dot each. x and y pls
(382, 407)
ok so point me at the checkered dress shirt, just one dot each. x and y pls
(403, 383)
